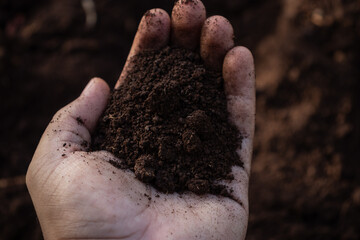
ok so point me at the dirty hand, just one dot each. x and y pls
(79, 195)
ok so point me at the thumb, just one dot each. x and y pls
(71, 127)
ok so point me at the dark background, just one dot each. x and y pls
(306, 169)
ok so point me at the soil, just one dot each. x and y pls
(168, 123)
(305, 173)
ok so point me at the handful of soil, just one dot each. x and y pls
(168, 123)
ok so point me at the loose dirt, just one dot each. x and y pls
(168, 123)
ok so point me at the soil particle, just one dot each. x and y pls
(168, 123)
(187, 2)
(85, 144)
(80, 121)
(149, 14)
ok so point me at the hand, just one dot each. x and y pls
(79, 195)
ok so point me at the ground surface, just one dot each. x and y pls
(306, 171)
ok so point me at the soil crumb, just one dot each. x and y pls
(168, 123)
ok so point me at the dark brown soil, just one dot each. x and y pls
(168, 123)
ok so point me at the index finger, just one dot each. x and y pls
(153, 34)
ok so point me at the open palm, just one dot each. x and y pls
(79, 195)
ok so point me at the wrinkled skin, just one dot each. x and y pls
(79, 195)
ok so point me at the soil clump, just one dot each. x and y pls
(168, 123)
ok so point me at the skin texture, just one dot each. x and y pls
(79, 195)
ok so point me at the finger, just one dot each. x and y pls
(187, 19)
(152, 34)
(239, 83)
(70, 128)
(217, 38)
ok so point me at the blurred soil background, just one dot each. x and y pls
(306, 169)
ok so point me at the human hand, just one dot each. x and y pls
(79, 195)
